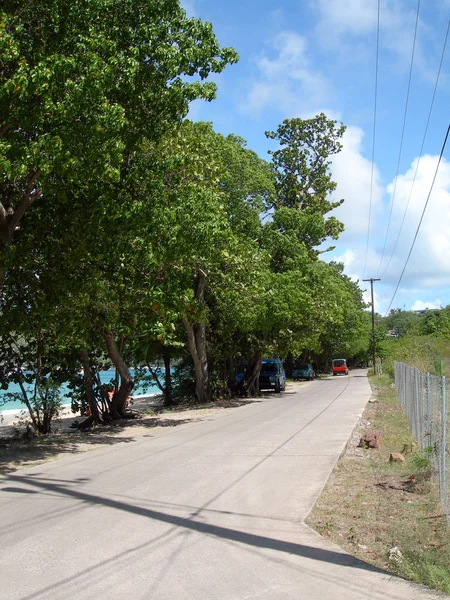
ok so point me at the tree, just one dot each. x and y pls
(291, 238)
(345, 325)
(194, 234)
(31, 356)
(176, 256)
(301, 167)
(82, 83)
(404, 322)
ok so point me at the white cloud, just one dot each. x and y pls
(353, 174)
(287, 80)
(429, 265)
(344, 23)
(347, 16)
(352, 266)
(347, 258)
(419, 305)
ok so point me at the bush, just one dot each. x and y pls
(43, 404)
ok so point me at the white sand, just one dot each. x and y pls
(19, 416)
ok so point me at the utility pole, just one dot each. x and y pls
(373, 321)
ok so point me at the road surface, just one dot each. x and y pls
(203, 511)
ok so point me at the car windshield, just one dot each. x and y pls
(303, 366)
(269, 368)
(339, 363)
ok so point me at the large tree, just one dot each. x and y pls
(302, 167)
(292, 236)
(81, 83)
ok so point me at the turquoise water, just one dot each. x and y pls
(105, 377)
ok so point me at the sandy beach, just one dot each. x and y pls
(11, 419)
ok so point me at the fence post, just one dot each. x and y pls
(406, 392)
(429, 410)
(418, 427)
(443, 445)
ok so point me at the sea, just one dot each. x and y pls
(105, 377)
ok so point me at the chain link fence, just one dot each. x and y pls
(425, 400)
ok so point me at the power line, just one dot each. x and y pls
(421, 218)
(373, 137)
(402, 135)
(421, 150)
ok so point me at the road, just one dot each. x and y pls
(203, 511)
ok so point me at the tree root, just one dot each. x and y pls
(130, 414)
(84, 424)
(105, 419)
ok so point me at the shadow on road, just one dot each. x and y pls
(242, 537)
(19, 452)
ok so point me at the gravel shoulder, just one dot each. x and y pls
(387, 513)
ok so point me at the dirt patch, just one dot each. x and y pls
(371, 506)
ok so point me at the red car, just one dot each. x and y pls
(339, 365)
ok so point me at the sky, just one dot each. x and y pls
(302, 57)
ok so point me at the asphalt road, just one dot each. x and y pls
(203, 511)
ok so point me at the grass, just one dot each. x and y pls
(371, 505)
(428, 353)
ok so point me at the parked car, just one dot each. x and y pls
(272, 375)
(339, 366)
(303, 371)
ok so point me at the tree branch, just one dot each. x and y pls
(28, 197)
(156, 378)
(115, 356)
(200, 290)
(3, 213)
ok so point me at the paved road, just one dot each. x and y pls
(204, 511)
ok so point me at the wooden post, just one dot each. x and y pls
(373, 322)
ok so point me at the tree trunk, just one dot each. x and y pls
(165, 388)
(200, 342)
(119, 400)
(250, 383)
(28, 405)
(196, 337)
(230, 371)
(168, 394)
(89, 387)
(198, 354)
(289, 365)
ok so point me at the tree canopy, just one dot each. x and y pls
(83, 82)
(152, 238)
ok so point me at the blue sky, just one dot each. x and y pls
(299, 58)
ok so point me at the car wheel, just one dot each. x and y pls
(334, 374)
(277, 387)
